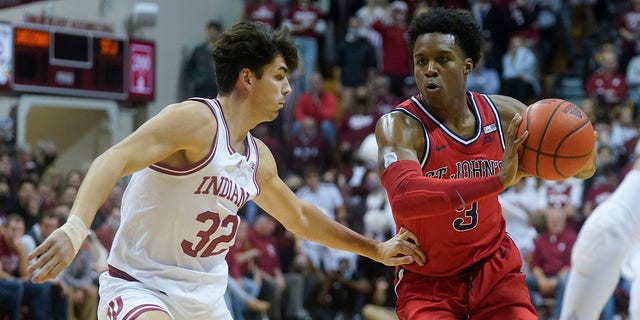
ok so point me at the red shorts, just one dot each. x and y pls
(493, 288)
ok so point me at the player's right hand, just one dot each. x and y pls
(53, 255)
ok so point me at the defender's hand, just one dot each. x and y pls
(403, 248)
(53, 255)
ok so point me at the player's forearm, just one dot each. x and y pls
(316, 226)
(412, 195)
(100, 180)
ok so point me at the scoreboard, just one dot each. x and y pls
(65, 61)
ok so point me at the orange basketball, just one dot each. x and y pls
(560, 139)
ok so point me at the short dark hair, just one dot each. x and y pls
(215, 24)
(456, 22)
(252, 45)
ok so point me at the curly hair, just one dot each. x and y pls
(456, 22)
(250, 45)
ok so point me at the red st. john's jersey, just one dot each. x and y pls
(455, 241)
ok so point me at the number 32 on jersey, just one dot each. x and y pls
(223, 229)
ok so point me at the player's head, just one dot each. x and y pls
(458, 23)
(251, 45)
(445, 45)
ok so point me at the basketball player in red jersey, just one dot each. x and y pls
(444, 155)
(193, 166)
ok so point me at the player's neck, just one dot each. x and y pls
(239, 121)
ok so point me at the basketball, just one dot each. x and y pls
(560, 140)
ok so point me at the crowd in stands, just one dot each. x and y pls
(355, 66)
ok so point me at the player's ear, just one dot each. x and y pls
(468, 65)
(244, 78)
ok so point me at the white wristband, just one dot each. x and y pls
(76, 230)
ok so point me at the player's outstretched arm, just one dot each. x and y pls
(308, 222)
(172, 133)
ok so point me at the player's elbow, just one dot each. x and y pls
(415, 204)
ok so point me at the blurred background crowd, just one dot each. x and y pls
(356, 66)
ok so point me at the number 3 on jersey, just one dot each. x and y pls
(470, 219)
(206, 245)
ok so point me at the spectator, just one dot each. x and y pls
(306, 24)
(7, 138)
(551, 33)
(47, 223)
(268, 266)
(628, 29)
(80, 278)
(565, 195)
(277, 147)
(355, 63)
(265, 11)
(383, 99)
(381, 305)
(373, 10)
(312, 279)
(623, 129)
(607, 84)
(520, 229)
(396, 58)
(11, 289)
(200, 70)
(552, 258)
(319, 104)
(482, 79)
(369, 13)
(344, 291)
(523, 22)
(519, 78)
(26, 203)
(378, 219)
(325, 196)
(242, 290)
(309, 148)
(14, 272)
(633, 83)
(356, 124)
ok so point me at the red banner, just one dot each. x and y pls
(141, 70)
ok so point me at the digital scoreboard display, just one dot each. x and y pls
(56, 60)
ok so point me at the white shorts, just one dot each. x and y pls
(124, 300)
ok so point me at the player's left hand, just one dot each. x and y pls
(403, 248)
(590, 168)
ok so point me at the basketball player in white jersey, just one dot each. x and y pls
(604, 243)
(194, 165)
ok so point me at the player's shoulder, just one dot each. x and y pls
(397, 118)
(507, 106)
(193, 111)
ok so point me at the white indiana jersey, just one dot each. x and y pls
(177, 224)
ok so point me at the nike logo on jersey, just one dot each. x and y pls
(438, 148)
